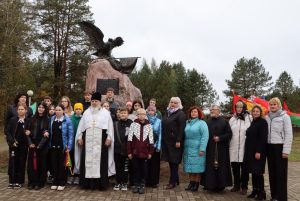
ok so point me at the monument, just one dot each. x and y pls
(107, 71)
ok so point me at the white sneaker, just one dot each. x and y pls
(117, 187)
(60, 188)
(53, 187)
(124, 187)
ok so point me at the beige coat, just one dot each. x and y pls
(237, 142)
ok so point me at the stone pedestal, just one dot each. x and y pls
(101, 69)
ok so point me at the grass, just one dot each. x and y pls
(295, 153)
(3, 161)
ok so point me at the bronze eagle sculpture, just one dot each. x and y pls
(104, 49)
(96, 38)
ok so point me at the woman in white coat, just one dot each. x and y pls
(239, 123)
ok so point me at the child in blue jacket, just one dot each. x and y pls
(61, 141)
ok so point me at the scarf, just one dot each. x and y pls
(151, 119)
(272, 115)
(171, 111)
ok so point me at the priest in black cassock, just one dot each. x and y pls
(94, 147)
(217, 174)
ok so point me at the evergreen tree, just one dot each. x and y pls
(284, 85)
(16, 40)
(248, 75)
(61, 37)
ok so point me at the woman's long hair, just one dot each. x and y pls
(69, 108)
(134, 102)
(44, 118)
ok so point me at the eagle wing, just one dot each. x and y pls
(94, 33)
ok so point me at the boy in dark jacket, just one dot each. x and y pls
(140, 148)
(121, 130)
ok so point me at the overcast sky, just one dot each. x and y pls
(207, 35)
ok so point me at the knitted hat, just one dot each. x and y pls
(78, 106)
(151, 107)
(96, 96)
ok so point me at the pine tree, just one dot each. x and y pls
(284, 85)
(15, 49)
(61, 38)
(249, 75)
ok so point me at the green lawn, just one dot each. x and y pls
(295, 154)
(2, 140)
(3, 161)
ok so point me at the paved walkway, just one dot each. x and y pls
(75, 193)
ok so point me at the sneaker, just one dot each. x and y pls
(136, 189)
(53, 187)
(17, 185)
(61, 188)
(124, 187)
(50, 179)
(76, 181)
(117, 187)
(141, 190)
(70, 180)
(10, 186)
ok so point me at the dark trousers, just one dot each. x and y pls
(278, 168)
(174, 177)
(258, 182)
(59, 171)
(49, 165)
(121, 163)
(17, 164)
(37, 177)
(240, 176)
(153, 169)
(139, 166)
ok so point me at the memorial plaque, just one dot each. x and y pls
(103, 84)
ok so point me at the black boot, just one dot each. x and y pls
(195, 187)
(189, 187)
(261, 195)
(253, 194)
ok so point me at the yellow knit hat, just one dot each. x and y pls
(78, 106)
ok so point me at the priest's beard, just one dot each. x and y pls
(94, 110)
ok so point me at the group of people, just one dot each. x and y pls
(257, 137)
(103, 139)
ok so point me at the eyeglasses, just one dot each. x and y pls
(141, 114)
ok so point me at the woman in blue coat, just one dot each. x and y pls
(195, 142)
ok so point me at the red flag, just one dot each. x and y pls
(250, 104)
(262, 102)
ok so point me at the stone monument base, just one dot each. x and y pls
(102, 69)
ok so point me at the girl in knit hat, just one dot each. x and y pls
(78, 108)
